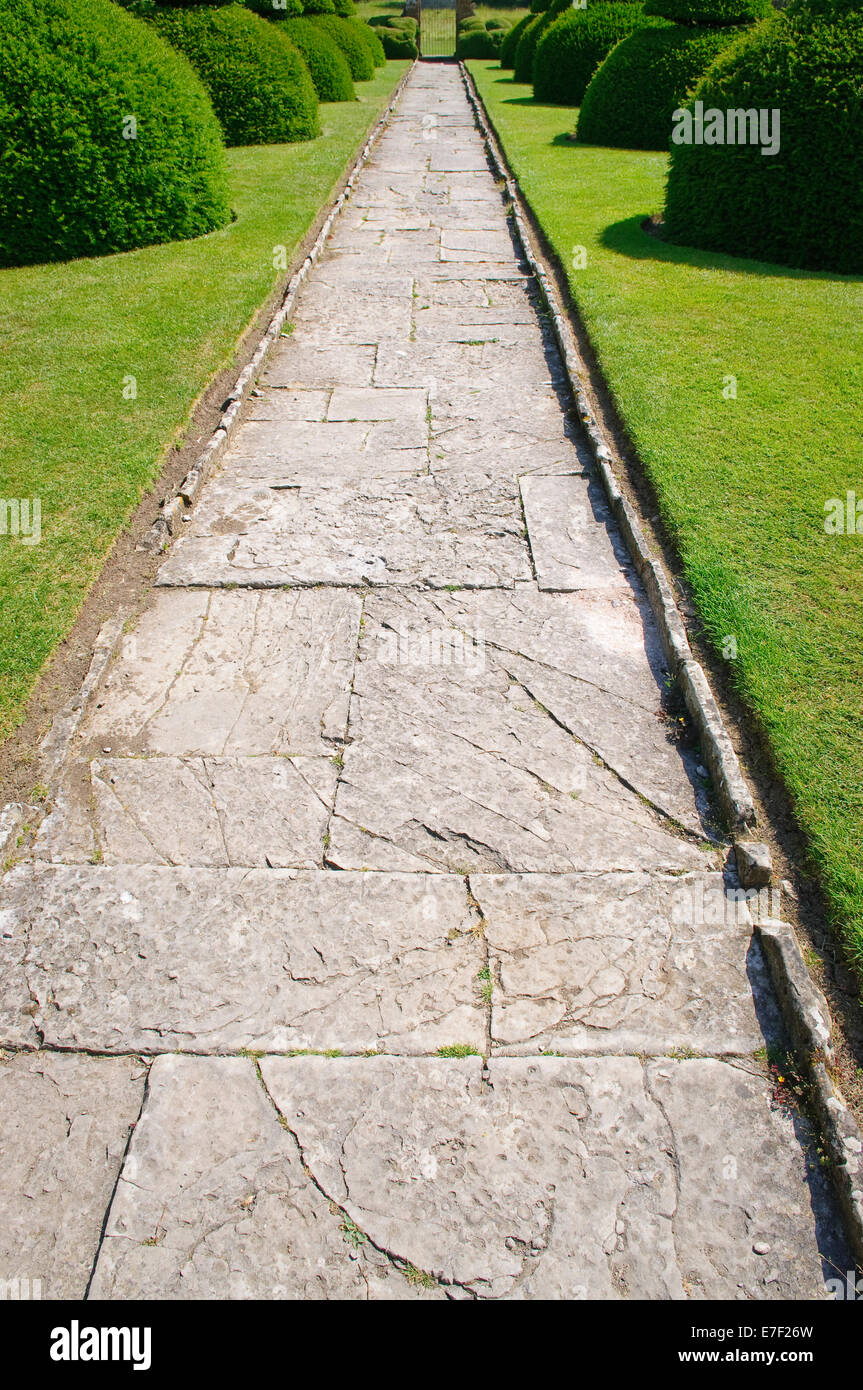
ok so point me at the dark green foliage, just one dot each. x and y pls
(478, 43)
(803, 206)
(709, 12)
(538, 6)
(510, 43)
(370, 36)
(324, 59)
(633, 94)
(269, 9)
(527, 45)
(346, 8)
(345, 33)
(572, 48)
(258, 83)
(72, 74)
(318, 7)
(398, 36)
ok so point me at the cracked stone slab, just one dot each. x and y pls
(385, 531)
(213, 1203)
(275, 454)
(198, 811)
(485, 365)
(596, 664)
(573, 539)
(213, 960)
(64, 1126)
(559, 1177)
(16, 1005)
(456, 763)
(295, 364)
(230, 675)
(623, 963)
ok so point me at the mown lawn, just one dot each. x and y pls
(169, 316)
(742, 482)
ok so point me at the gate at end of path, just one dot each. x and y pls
(438, 22)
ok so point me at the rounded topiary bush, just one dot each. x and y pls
(324, 59)
(345, 34)
(526, 47)
(259, 85)
(802, 206)
(108, 138)
(510, 43)
(397, 41)
(632, 96)
(478, 43)
(370, 37)
(572, 48)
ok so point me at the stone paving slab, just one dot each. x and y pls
(485, 365)
(611, 962)
(230, 674)
(567, 1179)
(64, 1126)
(293, 365)
(386, 531)
(213, 1203)
(475, 745)
(215, 960)
(199, 811)
(574, 541)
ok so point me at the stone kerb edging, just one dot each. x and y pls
(804, 1008)
(173, 509)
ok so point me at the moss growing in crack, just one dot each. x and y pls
(486, 985)
(459, 1050)
(417, 1278)
(314, 1052)
(351, 1232)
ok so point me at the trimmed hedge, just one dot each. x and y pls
(631, 97)
(572, 48)
(803, 206)
(267, 9)
(324, 59)
(709, 12)
(345, 33)
(511, 42)
(258, 83)
(478, 43)
(373, 40)
(525, 52)
(398, 42)
(72, 180)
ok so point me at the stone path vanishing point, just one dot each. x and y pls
(386, 770)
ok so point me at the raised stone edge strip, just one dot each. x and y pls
(807, 1017)
(54, 746)
(799, 998)
(733, 793)
(173, 508)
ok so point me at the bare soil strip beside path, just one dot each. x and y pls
(387, 771)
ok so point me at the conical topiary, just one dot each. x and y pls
(633, 95)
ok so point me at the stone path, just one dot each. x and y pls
(387, 769)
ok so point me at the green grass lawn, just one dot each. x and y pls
(169, 316)
(742, 482)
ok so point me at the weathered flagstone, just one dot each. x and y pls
(571, 1179)
(64, 1126)
(230, 674)
(213, 1203)
(215, 960)
(455, 761)
(319, 367)
(587, 963)
(403, 531)
(573, 540)
(200, 811)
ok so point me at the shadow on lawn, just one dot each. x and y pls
(629, 238)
